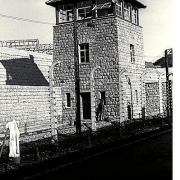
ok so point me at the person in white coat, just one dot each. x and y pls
(14, 150)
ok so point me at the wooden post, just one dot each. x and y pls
(77, 79)
(93, 109)
(167, 82)
(52, 103)
(3, 143)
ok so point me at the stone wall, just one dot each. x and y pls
(103, 52)
(28, 105)
(129, 33)
(24, 92)
(154, 87)
(124, 82)
(152, 99)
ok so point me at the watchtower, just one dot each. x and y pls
(107, 38)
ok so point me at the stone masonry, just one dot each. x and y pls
(129, 33)
(109, 42)
(24, 91)
(154, 86)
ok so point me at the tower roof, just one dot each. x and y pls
(54, 3)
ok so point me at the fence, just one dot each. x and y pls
(43, 149)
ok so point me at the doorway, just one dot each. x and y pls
(129, 112)
(86, 105)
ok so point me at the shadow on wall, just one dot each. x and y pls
(24, 72)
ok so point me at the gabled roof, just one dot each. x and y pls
(54, 3)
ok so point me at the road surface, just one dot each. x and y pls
(148, 160)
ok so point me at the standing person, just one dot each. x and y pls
(14, 150)
(129, 111)
(99, 111)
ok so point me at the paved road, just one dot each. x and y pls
(147, 160)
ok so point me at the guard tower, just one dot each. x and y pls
(99, 42)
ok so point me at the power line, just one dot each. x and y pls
(24, 19)
(47, 23)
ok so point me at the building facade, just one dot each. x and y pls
(110, 58)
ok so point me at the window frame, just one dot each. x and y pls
(135, 16)
(84, 8)
(86, 55)
(64, 13)
(127, 9)
(103, 8)
(132, 54)
(118, 7)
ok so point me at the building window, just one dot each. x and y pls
(118, 9)
(132, 53)
(84, 10)
(127, 12)
(136, 94)
(68, 100)
(84, 53)
(134, 16)
(103, 8)
(66, 13)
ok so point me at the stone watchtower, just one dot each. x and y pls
(108, 38)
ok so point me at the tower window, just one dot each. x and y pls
(103, 8)
(68, 99)
(66, 13)
(134, 16)
(84, 53)
(84, 9)
(132, 53)
(118, 9)
(127, 12)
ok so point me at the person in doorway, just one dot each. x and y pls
(99, 111)
(129, 110)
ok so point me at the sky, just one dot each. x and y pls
(156, 21)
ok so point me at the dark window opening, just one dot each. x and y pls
(68, 100)
(86, 105)
(103, 97)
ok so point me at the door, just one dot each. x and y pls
(86, 102)
(129, 112)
